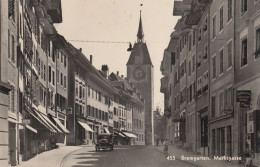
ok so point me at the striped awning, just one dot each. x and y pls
(119, 134)
(85, 126)
(41, 120)
(63, 128)
(129, 135)
(106, 130)
(31, 128)
(51, 123)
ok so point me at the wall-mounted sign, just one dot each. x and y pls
(243, 96)
(246, 106)
(27, 121)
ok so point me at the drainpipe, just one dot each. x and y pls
(17, 111)
(209, 83)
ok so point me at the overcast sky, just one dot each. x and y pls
(117, 20)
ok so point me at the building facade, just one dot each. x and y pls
(246, 43)
(225, 93)
(140, 72)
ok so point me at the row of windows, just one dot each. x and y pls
(221, 18)
(202, 82)
(138, 123)
(222, 103)
(61, 78)
(96, 113)
(122, 124)
(43, 96)
(244, 48)
(11, 46)
(80, 89)
(51, 76)
(140, 137)
(62, 57)
(223, 59)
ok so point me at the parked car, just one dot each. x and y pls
(105, 141)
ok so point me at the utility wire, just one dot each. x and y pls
(97, 41)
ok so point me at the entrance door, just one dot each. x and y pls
(229, 139)
(222, 141)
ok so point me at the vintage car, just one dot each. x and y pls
(105, 141)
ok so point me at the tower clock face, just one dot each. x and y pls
(139, 73)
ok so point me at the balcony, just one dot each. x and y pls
(53, 8)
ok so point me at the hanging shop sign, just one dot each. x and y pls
(243, 96)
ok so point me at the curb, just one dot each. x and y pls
(82, 147)
(62, 161)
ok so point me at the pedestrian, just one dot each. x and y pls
(162, 140)
(157, 142)
(171, 142)
(165, 149)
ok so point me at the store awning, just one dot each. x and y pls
(12, 120)
(129, 134)
(85, 126)
(61, 125)
(119, 134)
(45, 122)
(106, 130)
(51, 123)
(40, 119)
(31, 128)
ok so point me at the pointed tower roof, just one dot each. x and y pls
(140, 33)
(140, 48)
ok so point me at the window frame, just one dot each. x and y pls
(242, 56)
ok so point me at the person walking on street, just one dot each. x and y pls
(165, 150)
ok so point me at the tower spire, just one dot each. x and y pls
(140, 33)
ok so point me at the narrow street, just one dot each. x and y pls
(122, 156)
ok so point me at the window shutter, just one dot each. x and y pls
(10, 8)
(229, 50)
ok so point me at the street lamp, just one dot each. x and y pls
(130, 49)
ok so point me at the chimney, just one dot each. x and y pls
(90, 59)
(80, 49)
(104, 69)
(117, 73)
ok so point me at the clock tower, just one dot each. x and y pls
(140, 72)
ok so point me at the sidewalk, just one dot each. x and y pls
(52, 158)
(178, 153)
